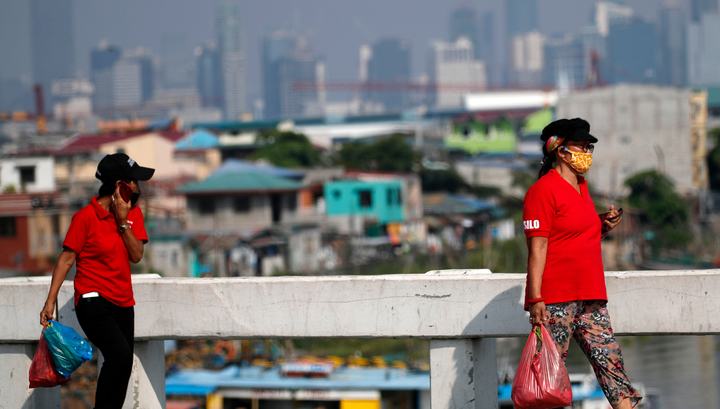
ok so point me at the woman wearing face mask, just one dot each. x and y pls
(566, 282)
(103, 238)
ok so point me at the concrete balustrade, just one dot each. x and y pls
(459, 312)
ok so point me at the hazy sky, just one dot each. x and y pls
(337, 27)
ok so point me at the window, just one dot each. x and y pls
(27, 174)
(206, 204)
(7, 227)
(398, 191)
(390, 195)
(337, 194)
(365, 198)
(242, 204)
(292, 202)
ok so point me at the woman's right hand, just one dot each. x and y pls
(47, 313)
(538, 313)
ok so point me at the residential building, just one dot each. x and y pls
(642, 127)
(673, 43)
(232, 54)
(698, 8)
(354, 205)
(704, 52)
(632, 52)
(464, 23)
(527, 59)
(209, 75)
(389, 69)
(53, 42)
(72, 99)
(455, 71)
(27, 174)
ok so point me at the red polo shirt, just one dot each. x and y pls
(573, 266)
(103, 263)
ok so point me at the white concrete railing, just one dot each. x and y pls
(459, 312)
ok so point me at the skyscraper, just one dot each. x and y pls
(700, 7)
(521, 17)
(488, 46)
(565, 66)
(527, 59)
(276, 46)
(673, 45)
(704, 52)
(388, 66)
(176, 61)
(209, 75)
(464, 23)
(102, 60)
(53, 51)
(454, 64)
(632, 52)
(232, 57)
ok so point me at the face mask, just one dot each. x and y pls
(580, 161)
(134, 198)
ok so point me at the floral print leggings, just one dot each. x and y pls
(589, 323)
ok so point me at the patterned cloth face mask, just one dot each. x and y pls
(580, 161)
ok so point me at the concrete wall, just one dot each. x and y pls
(639, 127)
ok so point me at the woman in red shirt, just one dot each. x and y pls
(566, 281)
(103, 238)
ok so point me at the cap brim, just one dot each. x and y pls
(582, 135)
(141, 173)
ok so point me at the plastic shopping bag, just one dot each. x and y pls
(541, 380)
(68, 349)
(42, 368)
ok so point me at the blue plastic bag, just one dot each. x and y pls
(68, 349)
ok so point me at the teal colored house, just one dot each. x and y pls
(381, 199)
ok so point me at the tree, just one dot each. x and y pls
(442, 181)
(666, 212)
(286, 149)
(392, 154)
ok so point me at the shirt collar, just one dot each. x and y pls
(581, 179)
(99, 211)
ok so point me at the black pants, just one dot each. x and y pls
(111, 328)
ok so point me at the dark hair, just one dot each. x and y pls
(106, 189)
(548, 160)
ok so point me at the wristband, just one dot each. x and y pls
(536, 300)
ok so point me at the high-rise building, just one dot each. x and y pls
(673, 46)
(276, 47)
(700, 7)
(607, 13)
(102, 61)
(127, 82)
(53, 50)
(389, 66)
(488, 54)
(704, 51)
(521, 16)
(632, 52)
(176, 60)
(232, 55)
(464, 23)
(209, 75)
(455, 71)
(565, 64)
(527, 59)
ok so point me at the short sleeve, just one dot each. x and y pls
(77, 232)
(138, 226)
(538, 211)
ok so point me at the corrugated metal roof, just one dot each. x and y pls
(240, 182)
(91, 142)
(200, 139)
(200, 382)
(232, 166)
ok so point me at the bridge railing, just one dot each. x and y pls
(461, 312)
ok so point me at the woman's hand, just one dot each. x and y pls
(538, 313)
(47, 313)
(613, 219)
(119, 207)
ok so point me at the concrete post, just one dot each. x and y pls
(146, 389)
(15, 360)
(463, 374)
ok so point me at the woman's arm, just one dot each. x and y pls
(64, 262)
(537, 246)
(121, 209)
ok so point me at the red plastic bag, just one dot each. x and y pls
(541, 381)
(42, 369)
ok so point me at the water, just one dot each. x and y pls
(685, 370)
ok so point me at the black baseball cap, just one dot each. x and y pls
(120, 166)
(576, 129)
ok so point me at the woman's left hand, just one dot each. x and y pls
(613, 219)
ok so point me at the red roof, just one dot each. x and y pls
(91, 142)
